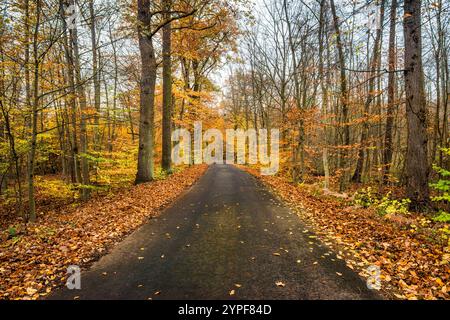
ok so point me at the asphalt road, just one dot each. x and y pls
(226, 233)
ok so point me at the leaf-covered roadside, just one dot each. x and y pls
(35, 259)
(414, 265)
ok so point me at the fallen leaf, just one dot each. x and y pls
(31, 291)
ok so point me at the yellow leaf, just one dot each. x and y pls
(31, 291)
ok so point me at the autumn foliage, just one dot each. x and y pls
(34, 257)
(411, 251)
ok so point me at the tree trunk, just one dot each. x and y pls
(343, 99)
(95, 76)
(34, 117)
(370, 97)
(387, 155)
(167, 89)
(323, 89)
(114, 107)
(417, 169)
(85, 191)
(147, 86)
(299, 168)
(75, 173)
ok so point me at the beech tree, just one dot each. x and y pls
(147, 93)
(417, 168)
(167, 88)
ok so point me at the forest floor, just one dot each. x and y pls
(412, 251)
(331, 237)
(34, 257)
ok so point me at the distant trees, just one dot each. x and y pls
(366, 107)
(79, 82)
(352, 99)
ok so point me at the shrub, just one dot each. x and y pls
(442, 216)
(390, 206)
(55, 188)
(443, 187)
(366, 198)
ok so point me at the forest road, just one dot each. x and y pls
(228, 232)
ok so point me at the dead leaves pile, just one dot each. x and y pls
(413, 265)
(36, 259)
